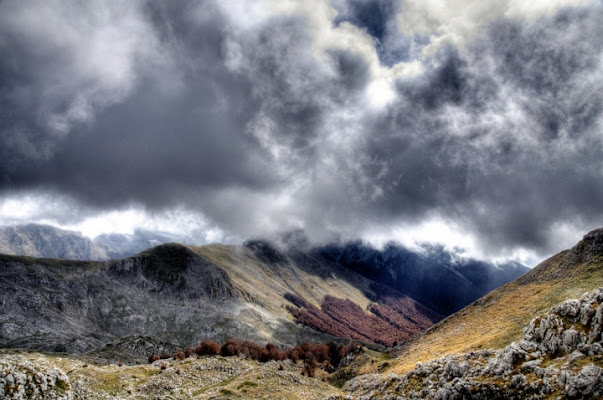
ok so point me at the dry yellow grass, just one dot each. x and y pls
(268, 285)
(497, 319)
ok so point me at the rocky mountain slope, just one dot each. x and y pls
(181, 295)
(36, 240)
(560, 356)
(30, 375)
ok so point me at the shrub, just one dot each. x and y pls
(153, 358)
(180, 355)
(273, 352)
(207, 348)
(294, 354)
(230, 348)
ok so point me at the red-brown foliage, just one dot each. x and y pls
(208, 348)
(188, 352)
(293, 354)
(310, 365)
(312, 354)
(230, 348)
(153, 358)
(393, 319)
(273, 352)
(319, 351)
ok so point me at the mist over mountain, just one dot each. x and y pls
(440, 279)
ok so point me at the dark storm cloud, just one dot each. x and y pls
(203, 114)
(255, 127)
(504, 137)
(167, 135)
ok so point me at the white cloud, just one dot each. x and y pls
(42, 208)
(320, 16)
(457, 22)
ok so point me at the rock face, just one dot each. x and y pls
(560, 356)
(46, 241)
(169, 293)
(590, 247)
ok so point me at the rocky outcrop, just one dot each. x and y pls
(590, 247)
(22, 379)
(560, 356)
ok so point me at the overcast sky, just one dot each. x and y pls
(474, 123)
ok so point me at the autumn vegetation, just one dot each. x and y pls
(313, 355)
(391, 319)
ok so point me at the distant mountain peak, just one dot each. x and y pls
(37, 240)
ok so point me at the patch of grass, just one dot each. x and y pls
(227, 381)
(226, 392)
(61, 385)
(247, 384)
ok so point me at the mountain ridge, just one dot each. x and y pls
(539, 336)
(441, 280)
(174, 293)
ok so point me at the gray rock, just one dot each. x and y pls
(589, 380)
(551, 336)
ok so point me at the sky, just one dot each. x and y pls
(476, 124)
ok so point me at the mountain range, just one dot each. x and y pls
(539, 336)
(35, 240)
(439, 279)
(184, 294)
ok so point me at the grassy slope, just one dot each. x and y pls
(268, 285)
(498, 318)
